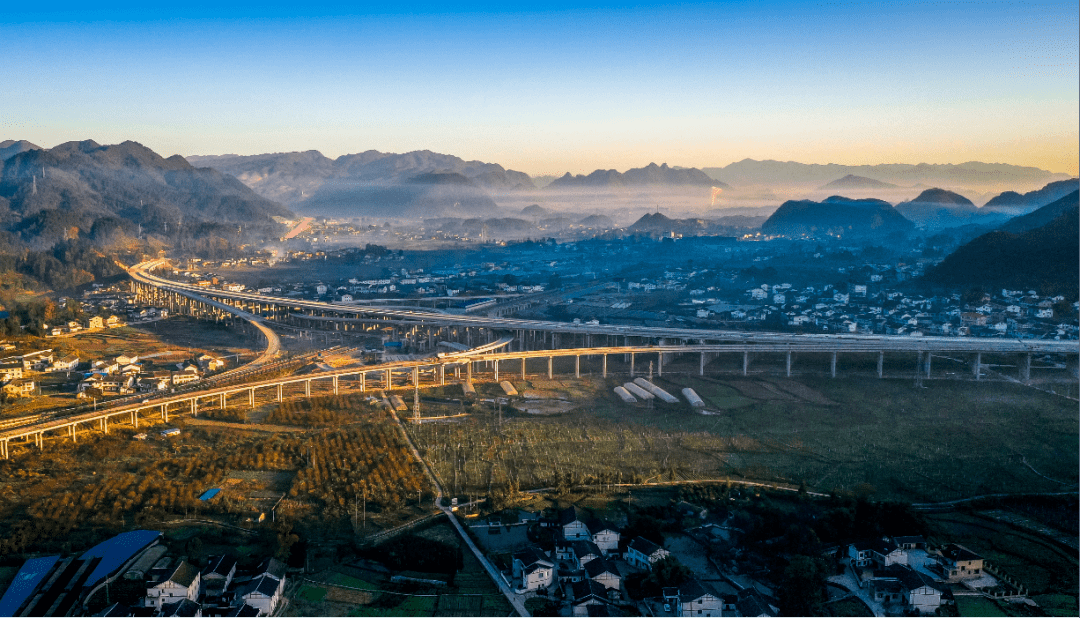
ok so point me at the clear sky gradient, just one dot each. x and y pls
(555, 87)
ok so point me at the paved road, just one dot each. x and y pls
(516, 600)
(335, 312)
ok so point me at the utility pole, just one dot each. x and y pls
(416, 404)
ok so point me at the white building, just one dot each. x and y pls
(181, 583)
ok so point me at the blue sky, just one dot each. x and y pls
(556, 87)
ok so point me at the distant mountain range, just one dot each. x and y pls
(936, 209)
(86, 190)
(1036, 251)
(650, 175)
(9, 148)
(431, 194)
(971, 174)
(1041, 216)
(657, 225)
(836, 216)
(372, 183)
(1013, 203)
(852, 181)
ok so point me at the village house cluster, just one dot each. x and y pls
(167, 585)
(584, 566)
(121, 375)
(901, 574)
(124, 375)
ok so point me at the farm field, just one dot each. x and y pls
(978, 606)
(886, 438)
(319, 476)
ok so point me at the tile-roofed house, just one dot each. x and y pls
(910, 542)
(183, 608)
(879, 552)
(604, 572)
(605, 534)
(959, 562)
(244, 611)
(262, 592)
(901, 584)
(587, 592)
(644, 553)
(182, 583)
(216, 577)
(586, 551)
(573, 528)
(532, 570)
(697, 600)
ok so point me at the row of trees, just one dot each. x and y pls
(321, 411)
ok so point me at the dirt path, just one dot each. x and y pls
(202, 422)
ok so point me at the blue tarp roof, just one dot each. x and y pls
(25, 583)
(116, 551)
(209, 493)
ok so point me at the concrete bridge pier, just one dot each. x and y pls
(789, 364)
(631, 364)
(251, 397)
(4, 449)
(39, 439)
(362, 380)
(604, 370)
(105, 425)
(832, 364)
(660, 365)
(977, 366)
(468, 372)
(1025, 368)
(71, 430)
(194, 406)
(387, 382)
(307, 388)
(701, 365)
(523, 368)
(928, 357)
(442, 375)
(335, 385)
(881, 364)
(223, 401)
(577, 366)
(279, 393)
(550, 373)
(496, 366)
(746, 362)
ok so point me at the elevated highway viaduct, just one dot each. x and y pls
(409, 374)
(422, 330)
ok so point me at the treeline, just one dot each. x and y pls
(66, 265)
(37, 314)
(319, 411)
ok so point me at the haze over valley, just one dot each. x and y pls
(714, 309)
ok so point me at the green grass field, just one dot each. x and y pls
(311, 594)
(1057, 604)
(341, 579)
(847, 607)
(948, 440)
(978, 606)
